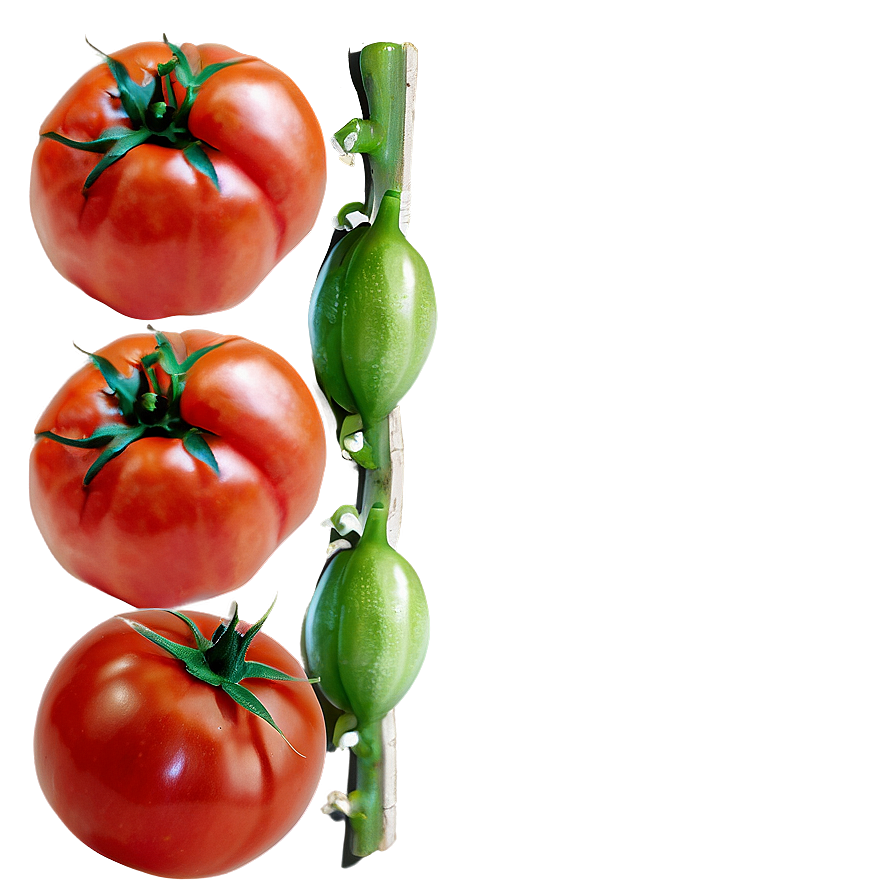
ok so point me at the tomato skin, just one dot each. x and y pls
(156, 527)
(162, 772)
(153, 237)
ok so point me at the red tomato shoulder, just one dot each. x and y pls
(156, 769)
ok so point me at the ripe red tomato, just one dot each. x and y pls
(165, 773)
(153, 236)
(157, 526)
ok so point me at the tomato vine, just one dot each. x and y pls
(372, 322)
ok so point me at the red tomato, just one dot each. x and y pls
(153, 236)
(160, 771)
(156, 526)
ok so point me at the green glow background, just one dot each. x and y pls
(650, 484)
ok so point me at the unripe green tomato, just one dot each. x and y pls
(367, 627)
(373, 317)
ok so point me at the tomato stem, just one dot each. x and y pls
(367, 801)
(386, 75)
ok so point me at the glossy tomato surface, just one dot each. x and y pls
(152, 236)
(155, 769)
(156, 527)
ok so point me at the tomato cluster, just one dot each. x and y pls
(170, 180)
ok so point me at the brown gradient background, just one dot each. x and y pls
(650, 484)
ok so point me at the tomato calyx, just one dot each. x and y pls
(145, 408)
(221, 661)
(156, 116)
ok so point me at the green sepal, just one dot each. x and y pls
(197, 447)
(263, 670)
(115, 437)
(134, 97)
(166, 358)
(198, 158)
(249, 701)
(121, 147)
(102, 435)
(154, 114)
(182, 70)
(195, 356)
(202, 643)
(113, 449)
(152, 358)
(125, 388)
(221, 662)
(205, 73)
(182, 652)
(256, 628)
(102, 143)
(114, 143)
(164, 354)
(146, 411)
(191, 81)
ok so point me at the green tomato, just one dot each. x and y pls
(373, 317)
(367, 628)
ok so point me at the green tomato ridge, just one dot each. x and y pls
(325, 321)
